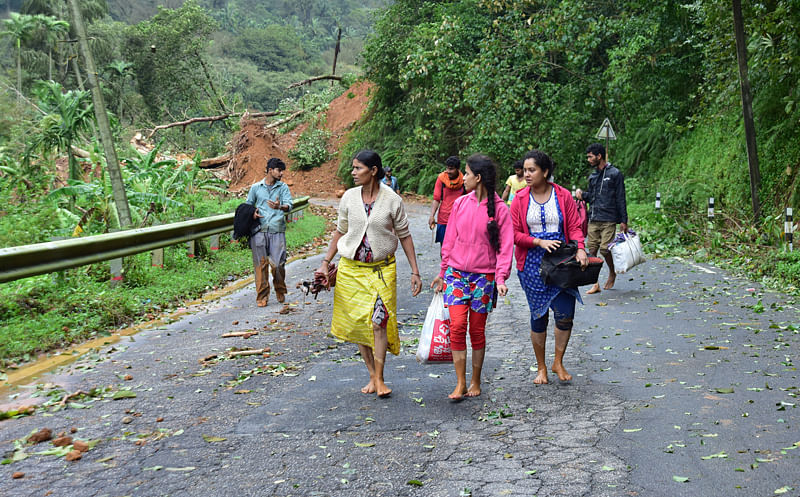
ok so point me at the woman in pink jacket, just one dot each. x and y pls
(544, 216)
(476, 256)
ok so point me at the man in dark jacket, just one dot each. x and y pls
(606, 196)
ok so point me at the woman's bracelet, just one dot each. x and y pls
(326, 261)
(414, 274)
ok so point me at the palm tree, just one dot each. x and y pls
(69, 116)
(19, 27)
(90, 9)
(120, 71)
(51, 29)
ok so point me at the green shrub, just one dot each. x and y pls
(311, 149)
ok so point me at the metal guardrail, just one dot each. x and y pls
(41, 258)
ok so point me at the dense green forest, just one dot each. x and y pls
(503, 76)
(178, 60)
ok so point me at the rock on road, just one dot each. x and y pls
(684, 384)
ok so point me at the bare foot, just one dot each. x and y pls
(595, 289)
(383, 390)
(458, 393)
(368, 388)
(474, 390)
(562, 373)
(541, 377)
(609, 283)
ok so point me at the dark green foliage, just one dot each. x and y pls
(504, 76)
(168, 53)
(311, 149)
(272, 48)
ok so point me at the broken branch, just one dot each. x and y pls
(207, 119)
(240, 353)
(286, 120)
(311, 80)
(245, 334)
(72, 396)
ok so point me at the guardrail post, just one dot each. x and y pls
(157, 258)
(190, 249)
(788, 227)
(116, 271)
(658, 201)
(215, 242)
(710, 207)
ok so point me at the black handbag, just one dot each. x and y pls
(561, 268)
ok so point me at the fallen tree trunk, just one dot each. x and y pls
(207, 119)
(215, 162)
(311, 80)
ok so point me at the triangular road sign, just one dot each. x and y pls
(606, 131)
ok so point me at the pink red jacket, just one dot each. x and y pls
(466, 242)
(519, 213)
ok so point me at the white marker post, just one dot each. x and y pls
(788, 227)
(658, 201)
(710, 207)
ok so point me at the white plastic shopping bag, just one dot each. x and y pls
(626, 251)
(434, 343)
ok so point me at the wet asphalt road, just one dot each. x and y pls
(654, 362)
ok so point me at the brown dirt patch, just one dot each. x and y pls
(254, 144)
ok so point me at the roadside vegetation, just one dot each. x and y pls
(502, 77)
(45, 312)
(156, 66)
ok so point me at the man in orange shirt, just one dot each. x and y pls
(449, 186)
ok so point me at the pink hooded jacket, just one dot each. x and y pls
(466, 242)
(519, 212)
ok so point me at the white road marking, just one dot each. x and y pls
(697, 266)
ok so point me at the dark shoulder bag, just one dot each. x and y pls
(561, 268)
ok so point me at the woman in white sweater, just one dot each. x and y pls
(372, 218)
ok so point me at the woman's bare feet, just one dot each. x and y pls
(595, 289)
(368, 388)
(458, 393)
(561, 372)
(474, 389)
(382, 390)
(612, 278)
(541, 377)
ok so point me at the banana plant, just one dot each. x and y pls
(68, 118)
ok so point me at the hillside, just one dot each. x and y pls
(254, 144)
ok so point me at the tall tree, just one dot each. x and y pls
(112, 163)
(52, 29)
(19, 27)
(168, 53)
(747, 109)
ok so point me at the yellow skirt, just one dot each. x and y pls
(358, 285)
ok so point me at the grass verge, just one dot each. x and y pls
(45, 312)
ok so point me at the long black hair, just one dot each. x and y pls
(484, 166)
(370, 158)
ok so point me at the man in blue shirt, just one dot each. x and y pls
(272, 200)
(391, 181)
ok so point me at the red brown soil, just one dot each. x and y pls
(254, 144)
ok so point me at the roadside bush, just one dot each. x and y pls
(311, 149)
